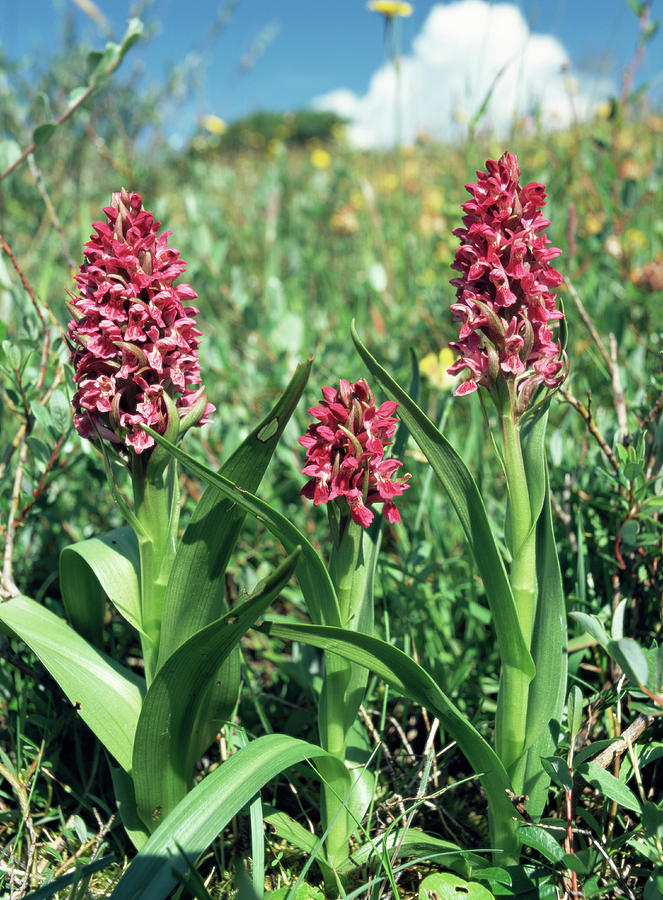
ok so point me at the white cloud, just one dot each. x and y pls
(464, 49)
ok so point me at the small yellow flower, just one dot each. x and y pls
(634, 239)
(213, 124)
(593, 223)
(603, 110)
(320, 158)
(391, 8)
(386, 182)
(434, 366)
(432, 200)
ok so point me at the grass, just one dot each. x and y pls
(283, 256)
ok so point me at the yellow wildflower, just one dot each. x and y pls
(320, 158)
(634, 239)
(391, 8)
(434, 366)
(386, 182)
(213, 124)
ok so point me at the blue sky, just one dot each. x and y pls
(318, 48)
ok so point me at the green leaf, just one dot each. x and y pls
(10, 151)
(652, 819)
(558, 771)
(445, 886)
(43, 132)
(131, 35)
(417, 844)
(208, 541)
(466, 500)
(311, 573)
(291, 831)
(107, 695)
(630, 656)
(574, 706)
(617, 630)
(547, 690)
(106, 62)
(411, 680)
(592, 626)
(125, 797)
(175, 707)
(60, 410)
(97, 568)
(41, 414)
(75, 95)
(205, 811)
(608, 785)
(542, 840)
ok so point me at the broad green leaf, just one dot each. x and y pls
(542, 840)
(617, 630)
(97, 568)
(608, 785)
(311, 572)
(106, 695)
(43, 132)
(291, 831)
(446, 886)
(411, 680)
(125, 797)
(630, 656)
(175, 706)
(415, 843)
(592, 626)
(466, 500)
(547, 691)
(558, 771)
(652, 819)
(208, 541)
(205, 811)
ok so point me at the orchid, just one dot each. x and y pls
(133, 338)
(505, 300)
(345, 453)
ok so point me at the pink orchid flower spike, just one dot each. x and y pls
(505, 302)
(345, 453)
(133, 338)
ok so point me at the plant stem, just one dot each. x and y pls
(349, 577)
(514, 686)
(154, 506)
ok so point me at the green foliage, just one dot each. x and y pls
(283, 256)
(259, 129)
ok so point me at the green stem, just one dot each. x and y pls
(349, 576)
(156, 509)
(514, 685)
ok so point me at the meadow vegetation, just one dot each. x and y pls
(288, 241)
